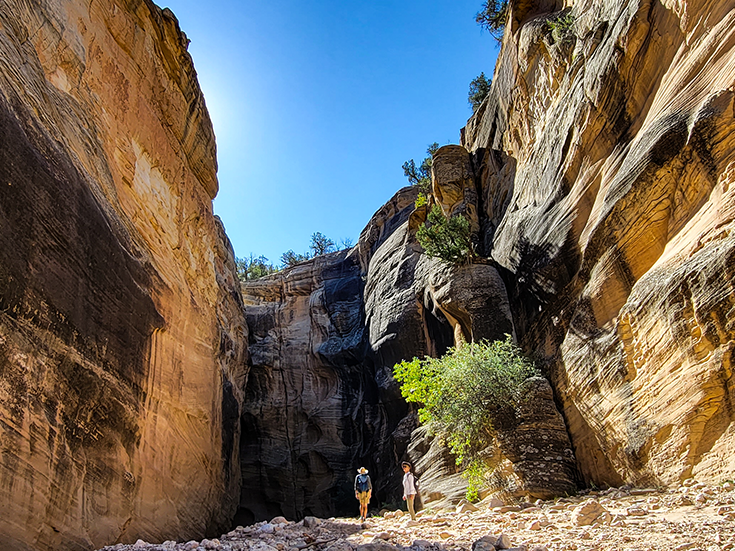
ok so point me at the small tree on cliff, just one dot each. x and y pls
(290, 258)
(254, 267)
(493, 16)
(479, 89)
(321, 244)
(421, 176)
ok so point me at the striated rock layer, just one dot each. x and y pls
(605, 156)
(312, 414)
(122, 338)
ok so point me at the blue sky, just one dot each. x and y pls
(317, 104)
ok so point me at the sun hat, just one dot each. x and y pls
(362, 470)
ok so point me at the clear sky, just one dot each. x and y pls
(316, 104)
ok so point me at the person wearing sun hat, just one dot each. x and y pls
(363, 491)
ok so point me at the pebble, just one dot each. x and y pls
(311, 522)
(465, 506)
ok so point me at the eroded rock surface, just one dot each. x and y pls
(122, 338)
(321, 398)
(314, 409)
(606, 157)
(597, 179)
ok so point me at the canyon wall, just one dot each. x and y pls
(122, 339)
(321, 400)
(605, 158)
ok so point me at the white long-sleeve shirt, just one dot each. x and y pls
(409, 488)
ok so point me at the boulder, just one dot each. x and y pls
(587, 513)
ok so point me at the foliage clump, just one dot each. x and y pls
(291, 258)
(561, 27)
(445, 238)
(493, 16)
(320, 244)
(465, 394)
(479, 89)
(421, 200)
(254, 267)
(421, 176)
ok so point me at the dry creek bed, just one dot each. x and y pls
(692, 517)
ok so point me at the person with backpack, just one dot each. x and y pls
(409, 488)
(363, 491)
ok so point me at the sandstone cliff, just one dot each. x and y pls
(122, 338)
(596, 177)
(605, 158)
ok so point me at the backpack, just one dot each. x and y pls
(362, 483)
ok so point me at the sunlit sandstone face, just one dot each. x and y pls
(608, 158)
(122, 338)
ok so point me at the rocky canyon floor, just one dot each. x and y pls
(691, 517)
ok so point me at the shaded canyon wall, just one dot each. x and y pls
(321, 400)
(122, 337)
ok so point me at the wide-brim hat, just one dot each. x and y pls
(362, 470)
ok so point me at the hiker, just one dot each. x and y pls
(409, 488)
(363, 491)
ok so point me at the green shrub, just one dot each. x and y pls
(475, 476)
(445, 238)
(253, 267)
(290, 258)
(421, 200)
(464, 394)
(321, 244)
(479, 89)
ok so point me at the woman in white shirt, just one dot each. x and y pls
(409, 488)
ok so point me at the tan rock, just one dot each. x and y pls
(124, 346)
(587, 513)
(466, 506)
(607, 195)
